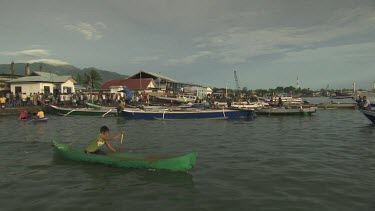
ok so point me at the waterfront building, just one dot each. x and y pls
(146, 85)
(166, 85)
(4, 85)
(42, 82)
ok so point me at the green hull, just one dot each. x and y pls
(84, 112)
(94, 105)
(172, 163)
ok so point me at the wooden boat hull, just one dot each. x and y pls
(337, 105)
(197, 114)
(84, 111)
(286, 112)
(126, 160)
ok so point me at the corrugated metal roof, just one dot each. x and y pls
(155, 75)
(43, 74)
(130, 83)
(42, 77)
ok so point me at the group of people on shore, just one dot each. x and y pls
(65, 99)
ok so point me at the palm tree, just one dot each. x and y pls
(92, 77)
(80, 79)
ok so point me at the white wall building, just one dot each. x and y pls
(42, 82)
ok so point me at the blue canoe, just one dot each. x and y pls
(39, 120)
(193, 114)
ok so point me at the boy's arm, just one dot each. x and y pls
(109, 138)
(110, 147)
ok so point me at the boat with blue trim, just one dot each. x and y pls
(189, 114)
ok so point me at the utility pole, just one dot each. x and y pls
(12, 69)
(236, 79)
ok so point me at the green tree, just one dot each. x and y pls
(80, 79)
(279, 90)
(289, 89)
(92, 77)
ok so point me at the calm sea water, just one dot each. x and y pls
(320, 162)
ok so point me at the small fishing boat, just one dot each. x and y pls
(103, 112)
(287, 100)
(337, 105)
(370, 114)
(189, 114)
(180, 99)
(127, 160)
(285, 111)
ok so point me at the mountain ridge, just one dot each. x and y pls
(59, 70)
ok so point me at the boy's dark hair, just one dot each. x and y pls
(104, 129)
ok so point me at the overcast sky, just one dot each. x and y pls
(268, 42)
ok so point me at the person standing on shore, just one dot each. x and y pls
(7, 96)
(2, 101)
(280, 103)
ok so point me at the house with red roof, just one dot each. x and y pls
(155, 84)
(144, 84)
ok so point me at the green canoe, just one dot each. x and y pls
(172, 163)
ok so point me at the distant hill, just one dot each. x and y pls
(59, 70)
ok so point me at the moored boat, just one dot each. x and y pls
(287, 100)
(189, 114)
(286, 111)
(179, 99)
(85, 111)
(173, 163)
(337, 105)
(370, 114)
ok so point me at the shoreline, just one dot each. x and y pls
(18, 110)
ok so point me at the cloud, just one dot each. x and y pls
(345, 54)
(143, 59)
(35, 53)
(239, 44)
(188, 59)
(48, 61)
(89, 32)
(33, 56)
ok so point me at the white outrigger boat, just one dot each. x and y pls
(286, 111)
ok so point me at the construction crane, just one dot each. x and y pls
(236, 79)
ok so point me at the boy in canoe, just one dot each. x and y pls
(103, 138)
(40, 114)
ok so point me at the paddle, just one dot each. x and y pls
(69, 112)
(107, 113)
(122, 138)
